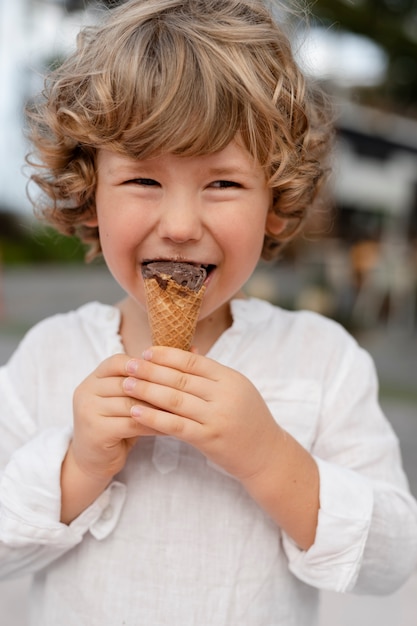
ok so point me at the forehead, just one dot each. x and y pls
(233, 158)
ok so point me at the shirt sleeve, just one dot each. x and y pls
(366, 539)
(31, 534)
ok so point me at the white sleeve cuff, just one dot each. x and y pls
(334, 560)
(30, 496)
(102, 516)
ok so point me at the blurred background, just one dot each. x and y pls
(356, 262)
(364, 52)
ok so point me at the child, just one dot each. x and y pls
(226, 485)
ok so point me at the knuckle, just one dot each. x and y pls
(191, 361)
(177, 427)
(214, 435)
(181, 382)
(176, 401)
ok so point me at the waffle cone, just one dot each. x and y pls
(172, 313)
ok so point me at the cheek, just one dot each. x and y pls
(116, 229)
(116, 243)
(247, 235)
(242, 252)
(249, 240)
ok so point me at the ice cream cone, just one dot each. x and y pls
(173, 311)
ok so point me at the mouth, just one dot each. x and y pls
(208, 267)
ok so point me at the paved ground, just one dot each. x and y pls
(29, 296)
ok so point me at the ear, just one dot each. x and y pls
(275, 224)
(92, 221)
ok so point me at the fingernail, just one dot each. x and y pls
(132, 366)
(136, 411)
(147, 355)
(129, 384)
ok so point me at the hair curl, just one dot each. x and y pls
(178, 76)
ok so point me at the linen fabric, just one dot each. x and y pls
(175, 540)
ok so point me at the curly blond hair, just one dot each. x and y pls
(182, 77)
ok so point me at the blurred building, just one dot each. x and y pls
(375, 180)
(372, 274)
(33, 33)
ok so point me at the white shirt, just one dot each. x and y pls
(175, 540)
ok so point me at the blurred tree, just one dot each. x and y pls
(80, 5)
(75, 5)
(111, 3)
(392, 24)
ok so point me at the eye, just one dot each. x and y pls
(224, 184)
(145, 182)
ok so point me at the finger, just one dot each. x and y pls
(115, 365)
(167, 377)
(115, 429)
(113, 407)
(168, 399)
(104, 396)
(167, 423)
(128, 428)
(109, 387)
(181, 360)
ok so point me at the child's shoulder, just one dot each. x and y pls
(294, 335)
(274, 320)
(294, 344)
(94, 314)
(91, 325)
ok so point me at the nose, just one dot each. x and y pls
(180, 221)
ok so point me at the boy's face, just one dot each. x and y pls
(209, 210)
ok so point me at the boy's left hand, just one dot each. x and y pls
(220, 412)
(208, 405)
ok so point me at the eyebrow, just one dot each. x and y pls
(229, 171)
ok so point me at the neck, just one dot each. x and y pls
(211, 328)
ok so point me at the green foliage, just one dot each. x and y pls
(40, 245)
(392, 24)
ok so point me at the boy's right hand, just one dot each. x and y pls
(104, 434)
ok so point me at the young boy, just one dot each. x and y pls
(226, 485)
